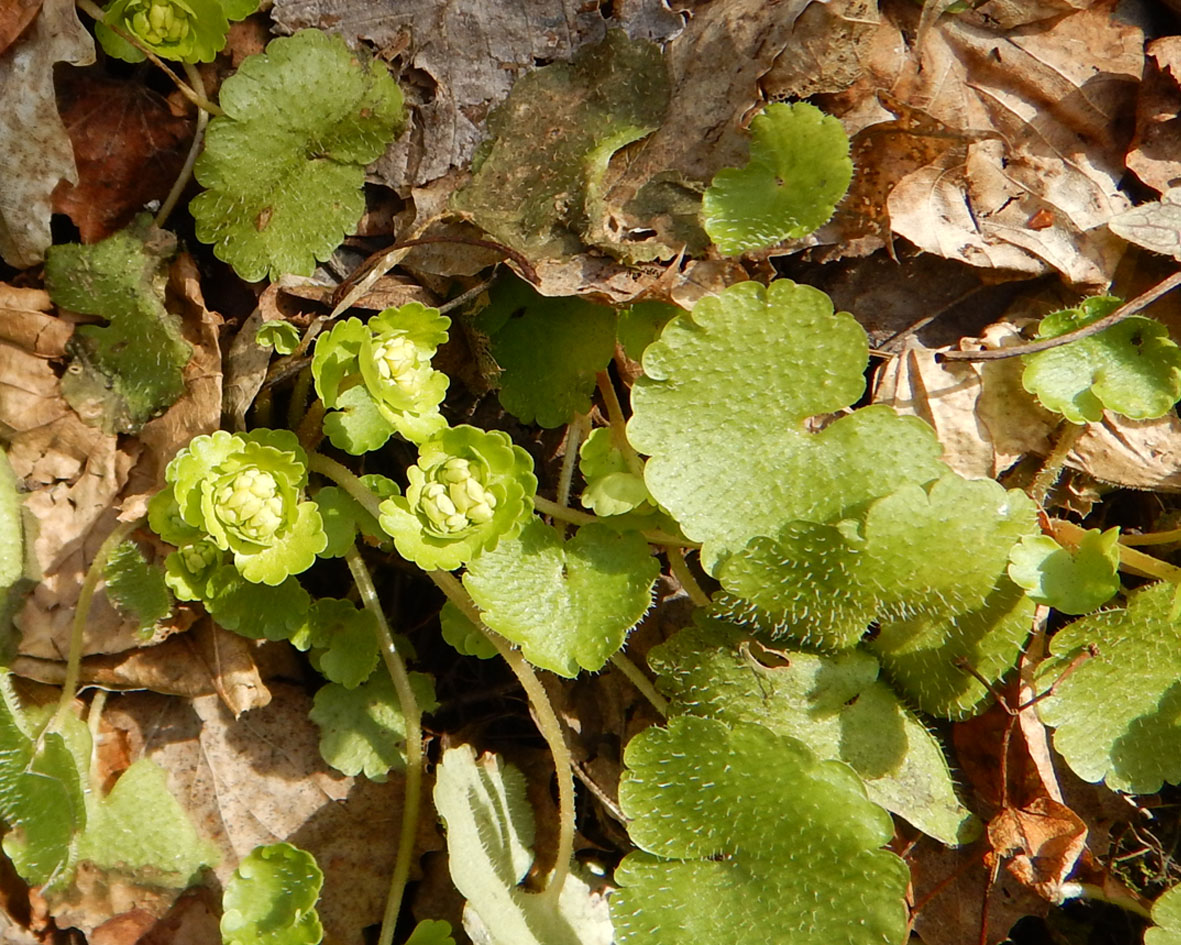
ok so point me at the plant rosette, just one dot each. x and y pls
(245, 493)
(391, 355)
(184, 30)
(469, 489)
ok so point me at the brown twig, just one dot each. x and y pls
(1124, 311)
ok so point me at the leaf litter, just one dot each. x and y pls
(995, 139)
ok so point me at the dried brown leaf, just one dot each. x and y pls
(1007, 146)
(35, 151)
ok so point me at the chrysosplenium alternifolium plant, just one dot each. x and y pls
(241, 494)
(377, 379)
(469, 489)
(183, 30)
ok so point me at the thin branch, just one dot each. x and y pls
(1126, 310)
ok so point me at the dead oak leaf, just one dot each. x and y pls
(129, 146)
(1039, 114)
(35, 151)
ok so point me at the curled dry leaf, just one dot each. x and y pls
(987, 421)
(984, 130)
(35, 151)
(1155, 155)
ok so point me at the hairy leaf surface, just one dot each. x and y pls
(568, 604)
(721, 412)
(747, 836)
(284, 165)
(834, 704)
(1116, 716)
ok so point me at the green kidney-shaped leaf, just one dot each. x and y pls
(1116, 716)
(284, 165)
(1132, 368)
(1166, 916)
(1073, 582)
(568, 604)
(362, 730)
(721, 412)
(549, 351)
(834, 704)
(140, 828)
(747, 836)
(271, 898)
(799, 170)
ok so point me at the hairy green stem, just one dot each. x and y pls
(82, 613)
(347, 480)
(637, 678)
(575, 433)
(186, 171)
(297, 406)
(547, 724)
(94, 11)
(1169, 537)
(1131, 560)
(412, 797)
(567, 514)
(618, 423)
(1043, 482)
(680, 569)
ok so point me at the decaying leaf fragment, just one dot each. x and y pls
(35, 151)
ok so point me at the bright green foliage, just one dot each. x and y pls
(276, 612)
(140, 830)
(245, 491)
(1166, 917)
(12, 553)
(835, 705)
(346, 636)
(612, 488)
(41, 802)
(284, 165)
(362, 730)
(185, 30)
(919, 653)
(799, 170)
(271, 898)
(343, 516)
(277, 334)
(722, 410)
(470, 489)
(1074, 583)
(640, 325)
(746, 836)
(131, 368)
(189, 570)
(1132, 368)
(136, 588)
(548, 349)
(535, 187)
(1117, 716)
(464, 635)
(489, 836)
(803, 585)
(568, 604)
(431, 932)
(376, 378)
